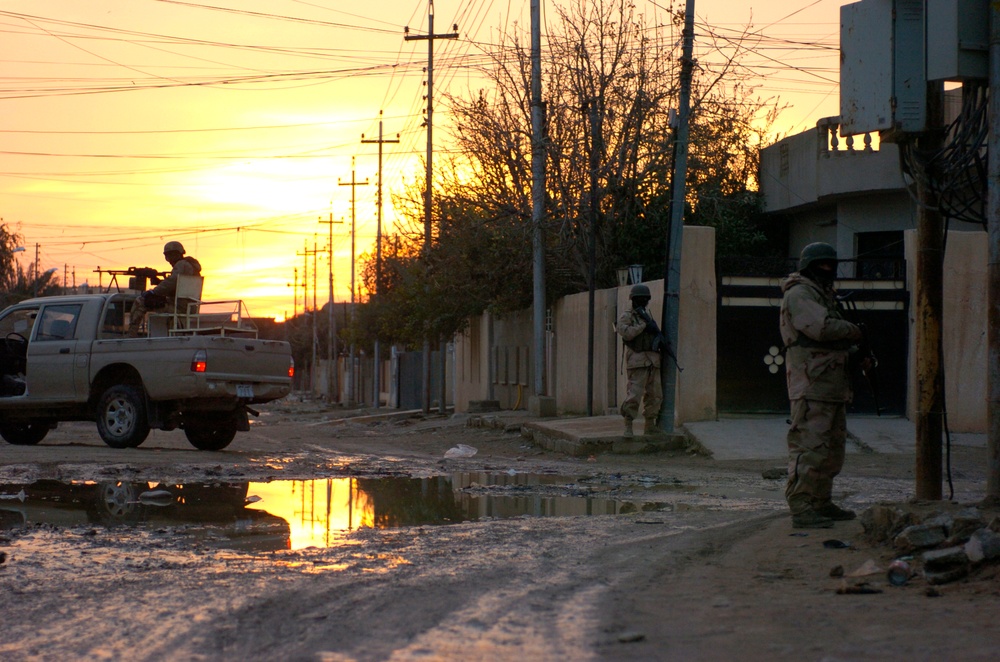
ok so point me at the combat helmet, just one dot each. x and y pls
(816, 252)
(175, 246)
(639, 291)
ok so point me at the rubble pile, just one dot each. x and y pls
(948, 545)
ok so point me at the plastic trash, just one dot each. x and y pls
(899, 572)
(869, 567)
(461, 450)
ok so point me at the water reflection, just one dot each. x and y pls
(295, 514)
(319, 511)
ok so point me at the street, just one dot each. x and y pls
(313, 538)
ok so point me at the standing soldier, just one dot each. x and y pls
(643, 342)
(818, 342)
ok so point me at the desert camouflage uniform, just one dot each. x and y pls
(818, 342)
(642, 365)
(186, 266)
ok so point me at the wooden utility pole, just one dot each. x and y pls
(429, 37)
(378, 254)
(929, 291)
(354, 184)
(993, 268)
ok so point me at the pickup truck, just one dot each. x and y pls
(70, 358)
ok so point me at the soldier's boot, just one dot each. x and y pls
(628, 429)
(651, 428)
(834, 512)
(810, 519)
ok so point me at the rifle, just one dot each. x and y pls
(863, 351)
(661, 343)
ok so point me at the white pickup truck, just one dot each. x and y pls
(69, 358)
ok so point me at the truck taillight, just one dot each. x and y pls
(199, 363)
(291, 368)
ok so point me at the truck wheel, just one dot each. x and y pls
(24, 433)
(210, 437)
(121, 416)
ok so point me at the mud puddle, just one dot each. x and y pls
(296, 514)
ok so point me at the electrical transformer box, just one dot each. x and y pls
(883, 84)
(957, 39)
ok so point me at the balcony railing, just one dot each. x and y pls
(831, 143)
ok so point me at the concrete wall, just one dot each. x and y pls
(964, 339)
(511, 342)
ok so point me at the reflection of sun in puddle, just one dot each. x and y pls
(319, 512)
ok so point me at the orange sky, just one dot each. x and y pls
(130, 122)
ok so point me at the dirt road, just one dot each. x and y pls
(166, 553)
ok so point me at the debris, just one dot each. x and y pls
(20, 496)
(919, 536)
(983, 545)
(899, 572)
(946, 576)
(837, 571)
(776, 473)
(945, 559)
(461, 450)
(157, 497)
(869, 567)
(932, 592)
(3, 557)
(630, 637)
(836, 544)
(253, 498)
(862, 589)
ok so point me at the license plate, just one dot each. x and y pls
(244, 391)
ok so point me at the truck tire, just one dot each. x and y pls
(121, 416)
(24, 433)
(211, 437)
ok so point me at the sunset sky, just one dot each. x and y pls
(226, 124)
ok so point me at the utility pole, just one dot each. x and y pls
(429, 37)
(36, 270)
(537, 202)
(378, 254)
(592, 109)
(670, 315)
(331, 326)
(305, 304)
(929, 307)
(354, 184)
(993, 268)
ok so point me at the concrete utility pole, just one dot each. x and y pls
(332, 383)
(429, 37)
(993, 268)
(670, 315)
(929, 291)
(354, 184)
(537, 203)
(378, 254)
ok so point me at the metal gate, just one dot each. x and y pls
(751, 371)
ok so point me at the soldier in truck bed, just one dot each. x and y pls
(161, 297)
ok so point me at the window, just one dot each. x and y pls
(58, 322)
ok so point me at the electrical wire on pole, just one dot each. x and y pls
(377, 387)
(428, 184)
